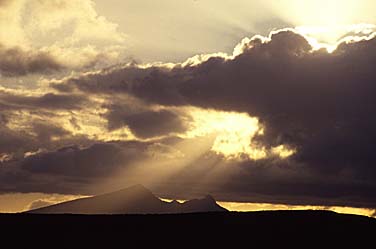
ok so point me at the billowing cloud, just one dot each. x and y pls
(315, 100)
(73, 169)
(97, 160)
(45, 101)
(17, 62)
(149, 123)
(39, 37)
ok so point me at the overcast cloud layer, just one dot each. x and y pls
(105, 129)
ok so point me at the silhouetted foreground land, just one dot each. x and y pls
(200, 230)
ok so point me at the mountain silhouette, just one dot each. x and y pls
(133, 200)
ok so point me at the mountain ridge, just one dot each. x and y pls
(132, 200)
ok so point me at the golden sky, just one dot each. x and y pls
(169, 30)
(174, 30)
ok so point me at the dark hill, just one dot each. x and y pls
(192, 224)
(273, 229)
(133, 200)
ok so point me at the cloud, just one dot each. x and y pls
(43, 200)
(149, 124)
(40, 119)
(38, 135)
(45, 101)
(318, 103)
(17, 62)
(39, 37)
(77, 170)
(39, 204)
(12, 33)
(34, 120)
(96, 160)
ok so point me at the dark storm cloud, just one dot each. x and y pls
(147, 124)
(266, 180)
(12, 141)
(154, 84)
(17, 62)
(72, 169)
(96, 160)
(300, 185)
(320, 103)
(46, 101)
(17, 142)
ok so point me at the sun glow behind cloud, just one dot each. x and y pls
(234, 133)
(330, 36)
(319, 37)
(323, 12)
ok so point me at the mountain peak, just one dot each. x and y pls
(137, 187)
(174, 202)
(132, 200)
(209, 198)
(206, 204)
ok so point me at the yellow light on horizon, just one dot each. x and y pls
(330, 36)
(21, 202)
(249, 207)
(253, 207)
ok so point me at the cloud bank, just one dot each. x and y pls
(137, 122)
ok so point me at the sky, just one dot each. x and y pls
(262, 102)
